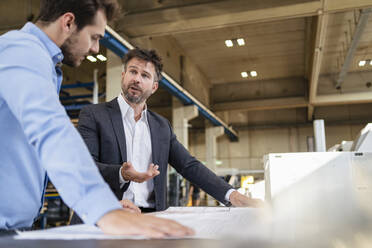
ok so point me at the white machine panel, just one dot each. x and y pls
(317, 170)
(319, 190)
(363, 142)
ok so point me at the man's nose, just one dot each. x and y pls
(95, 48)
(137, 78)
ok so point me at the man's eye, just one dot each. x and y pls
(145, 75)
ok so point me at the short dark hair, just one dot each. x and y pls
(84, 10)
(146, 55)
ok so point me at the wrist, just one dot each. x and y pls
(122, 172)
(232, 197)
(123, 177)
(109, 217)
(228, 194)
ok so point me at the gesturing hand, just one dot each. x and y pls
(130, 174)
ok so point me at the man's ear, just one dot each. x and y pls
(68, 23)
(155, 86)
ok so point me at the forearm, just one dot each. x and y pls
(72, 170)
(111, 174)
(208, 181)
(194, 171)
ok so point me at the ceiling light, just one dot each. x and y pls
(370, 62)
(240, 42)
(229, 43)
(91, 58)
(244, 74)
(362, 63)
(101, 57)
(253, 73)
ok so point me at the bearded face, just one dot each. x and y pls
(72, 51)
(135, 94)
(85, 41)
(138, 81)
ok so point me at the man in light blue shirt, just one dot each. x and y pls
(37, 138)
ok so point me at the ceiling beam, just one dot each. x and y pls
(344, 5)
(319, 43)
(214, 15)
(265, 104)
(198, 17)
(293, 102)
(342, 99)
(362, 23)
(308, 43)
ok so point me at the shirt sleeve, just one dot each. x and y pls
(28, 88)
(228, 193)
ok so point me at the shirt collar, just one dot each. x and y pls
(54, 51)
(124, 107)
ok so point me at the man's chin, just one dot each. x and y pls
(133, 99)
(70, 64)
(77, 63)
(73, 63)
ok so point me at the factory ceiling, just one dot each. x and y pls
(301, 59)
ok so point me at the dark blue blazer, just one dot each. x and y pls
(101, 127)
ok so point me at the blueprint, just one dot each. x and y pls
(207, 222)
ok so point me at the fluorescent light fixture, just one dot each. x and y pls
(244, 74)
(101, 57)
(362, 63)
(240, 42)
(250, 179)
(229, 43)
(91, 58)
(253, 73)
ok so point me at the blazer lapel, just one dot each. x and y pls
(117, 123)
(155, 137)
(156, 151)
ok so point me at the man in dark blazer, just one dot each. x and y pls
(109, 128)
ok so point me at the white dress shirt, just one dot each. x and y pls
(139, 153)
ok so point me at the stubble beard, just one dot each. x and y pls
(69, 57)
(136, 99)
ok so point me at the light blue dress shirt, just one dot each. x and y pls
(37, 138)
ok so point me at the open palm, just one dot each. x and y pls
(130, 174)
